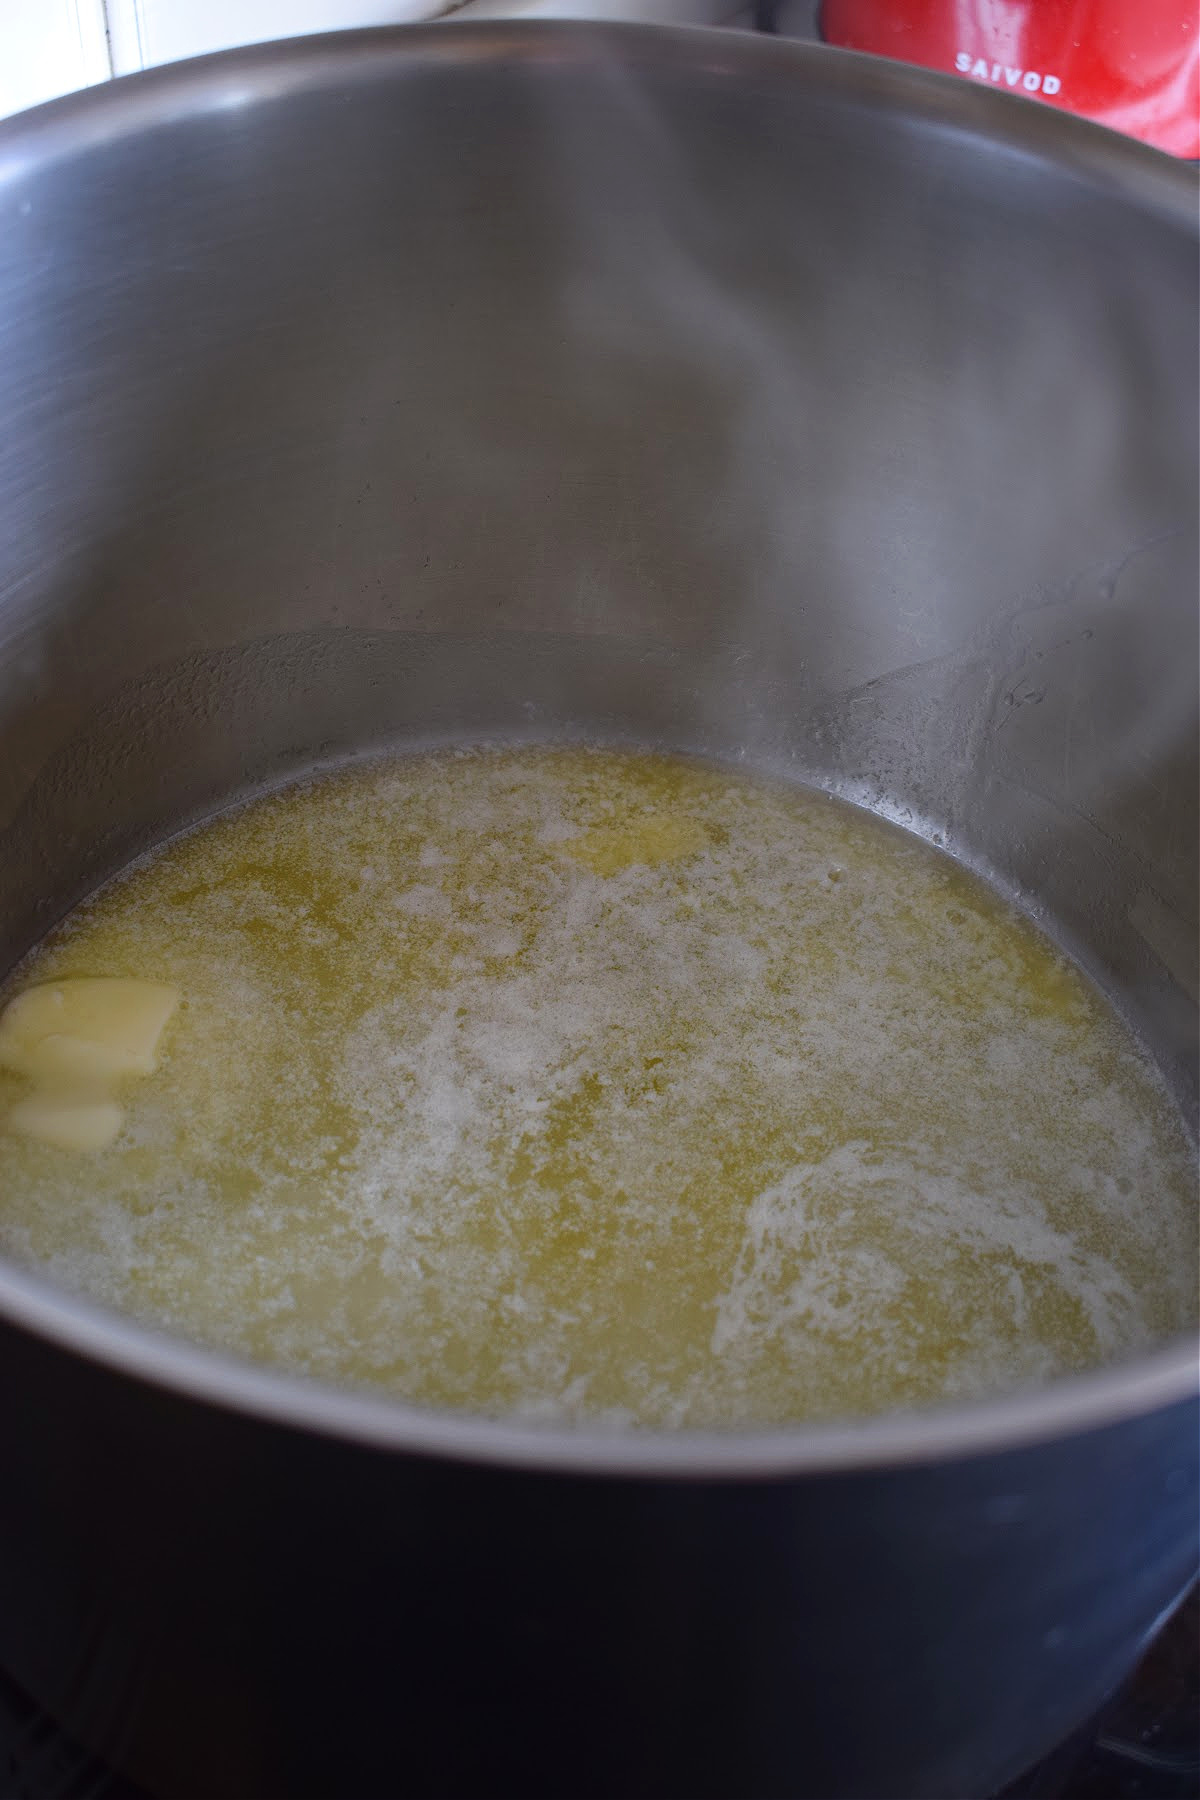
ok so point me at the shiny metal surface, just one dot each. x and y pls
(677, 386)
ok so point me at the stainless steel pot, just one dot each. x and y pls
(687, 387)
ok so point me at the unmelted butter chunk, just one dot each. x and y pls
(86, 1029)
(657, 838)
(67, 1124)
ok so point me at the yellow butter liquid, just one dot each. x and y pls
(580, 1084)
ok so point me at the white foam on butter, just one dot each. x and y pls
(804, 1265)
(709, 1139)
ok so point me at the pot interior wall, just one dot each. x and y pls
(565, 382)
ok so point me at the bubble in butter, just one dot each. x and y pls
(583, 1085)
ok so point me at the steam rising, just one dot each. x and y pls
(688, 389)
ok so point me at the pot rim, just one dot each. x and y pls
(1077, 1403)
(228, 80)
(1142, 176)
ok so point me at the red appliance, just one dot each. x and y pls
(1131, 64)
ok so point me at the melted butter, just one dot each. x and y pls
(654, 838)
(582, 1084)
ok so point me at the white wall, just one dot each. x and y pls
(146, 32)
(49, 47)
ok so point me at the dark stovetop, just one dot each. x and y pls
(1146, 1743)
(1144, 1746)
